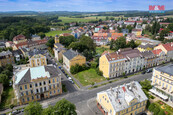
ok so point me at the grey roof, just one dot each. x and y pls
(166, 69)
(17, 52)
(5, 53)
(147, 54)
(70, 54)
(35, 36)
(58, 45)
(146, 46)
(35, 52)
(120, 96)
(26, 78)
(130, 53)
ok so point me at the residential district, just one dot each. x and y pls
(110, 67)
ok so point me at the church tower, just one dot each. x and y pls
(56, 39)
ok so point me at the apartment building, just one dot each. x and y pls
(6, 57)
(150, 59)
(19, 39)
(37, 60)
(36, 83)
(162, 80)
(127, 99)
(146, 47)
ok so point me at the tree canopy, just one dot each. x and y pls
(67, 40)
(34, 108)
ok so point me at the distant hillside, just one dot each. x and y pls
(68, 13)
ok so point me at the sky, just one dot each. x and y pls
(81, 5)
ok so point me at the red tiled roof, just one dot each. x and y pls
(19, 37)
(157, 51)
(129, 21)
(168, 46)
(164, 23)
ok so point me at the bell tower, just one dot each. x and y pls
(56, 39)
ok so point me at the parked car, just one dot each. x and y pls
(143, 72)
(70, 78)
(149, 70)
(71, 81)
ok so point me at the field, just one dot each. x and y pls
(87, 77)
(53, 33)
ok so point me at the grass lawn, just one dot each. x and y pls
(165, 107)
(53, 33)
(100, 50)
(7, 98)
(88, 76)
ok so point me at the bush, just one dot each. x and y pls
(93, 65)
(156, 110)
(99, 72)
(78, 68)
(151, 107)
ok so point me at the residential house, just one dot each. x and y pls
(71, 58)
(162, 80)
(97, 28)
(1, 90)
(9, 44)
(160, 56)
(35, 37)
(125, 31)
(150, 59)
(127, 99)
(17, 54)
(146, 47)
(6, 57)
(148, 41)
(19, 39)
(137, 32)
(38, 60)
(130, 37)
(114, 36)
(58, 51)
(100, 38)
(129, 22)
(124, 61)
(37, 83)
(167, 48)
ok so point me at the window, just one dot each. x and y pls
(25, 86)
(58, 90)
(56, 79)
(27, 98)
(22, 94)
(53, 80)
(35, 84)
(54, 91)
(44, 88)
(49, 81)
(40, 83)
(31, 91)
(26, 92)
(50, 92)
(23, 100)
(20, 87)
(30, 85)
(57, 84)
(37, 96)
(49, 86)
(32, 97)
(37, 90)
(44, 83)
(53, 85)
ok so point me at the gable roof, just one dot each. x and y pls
(168, 46)
(157, 51)
(70, 54)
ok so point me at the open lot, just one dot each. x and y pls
(87, 77)
(53, 33)
(100, 50)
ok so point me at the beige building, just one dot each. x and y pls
(58, 51)
(6, 57)
(71, 58)
(19, 39)
(37, 83)
(127, 99)
(37, 60)
(162, 80)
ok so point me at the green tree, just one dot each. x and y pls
(146, 84)
(64, 107)
(49, 111)
(107, 18)
(50, 43)
(34, 108)
(129, 27)
(156, 110)
(161, 112)
(11, 106)
(120, 43)
(67, 40)
(132, 44)
(42, 35)
(170, 27)
(151, 107)
(4, 79)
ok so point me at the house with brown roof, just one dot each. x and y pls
(19, 39)
(160, 56)
(1, 90)
(167, 49)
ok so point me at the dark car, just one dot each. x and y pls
(149, 70)
(143, 72)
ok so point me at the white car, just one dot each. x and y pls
(70, 78)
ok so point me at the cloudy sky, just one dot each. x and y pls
(81, 5)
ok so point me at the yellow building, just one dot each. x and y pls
(37, 60)
(147, 47)
(6, 57)
(137, 32)
(71, 58)
(37, 83)
(56, 39)
(162, 80)
(111, 64)
(127, 99)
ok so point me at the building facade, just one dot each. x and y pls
(6, 57)
(71, 58)
(162, 80)
(36, 83)
(127, 99)
(37, 60)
